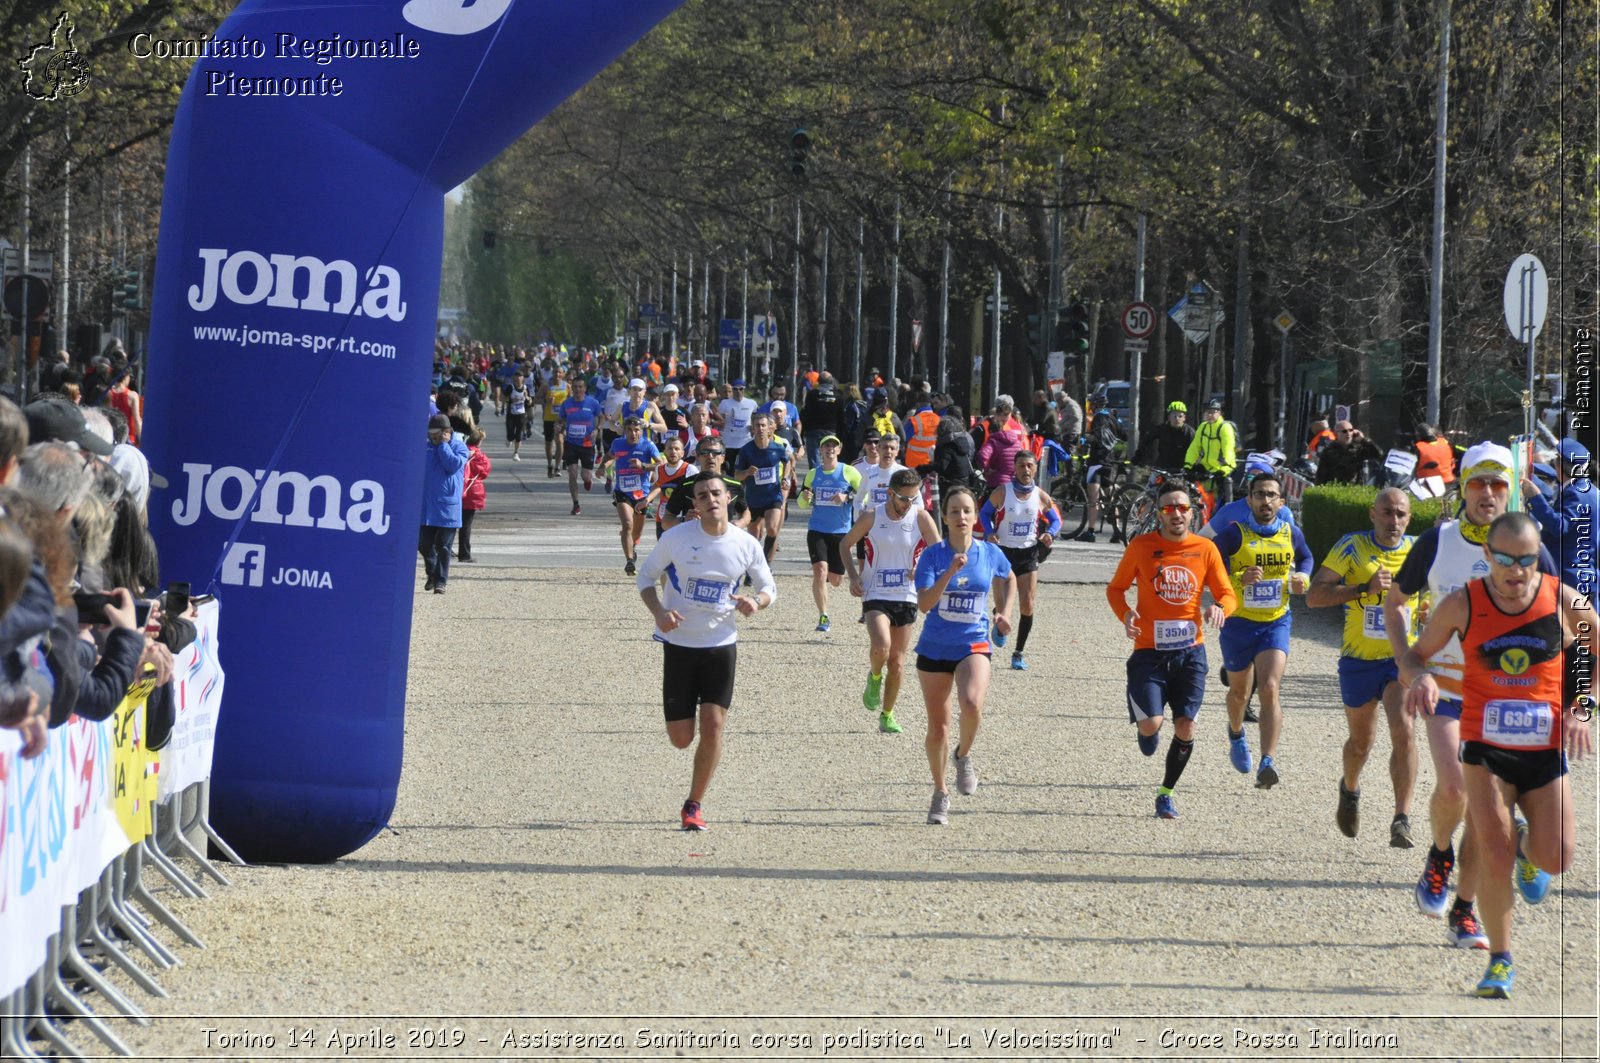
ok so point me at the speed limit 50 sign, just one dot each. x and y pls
(1138, 320)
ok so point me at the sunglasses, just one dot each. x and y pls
(1478, 483)
(907, 499)
(712, 453)
(1173, 508)
(1508, 561)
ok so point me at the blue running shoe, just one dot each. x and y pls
(997, 638)
(1497, 980)
(1433, 888)
(1532, 882)
(1018, 664)
(1267, 776)
(1165, 809)
(1239, 754)
(822, 622)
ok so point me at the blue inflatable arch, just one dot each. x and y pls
(297, 276)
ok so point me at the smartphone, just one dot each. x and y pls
(92, 607)
(177, 599)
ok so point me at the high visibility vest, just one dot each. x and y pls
(924, 430)
(1435, 458)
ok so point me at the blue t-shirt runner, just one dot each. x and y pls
(764, 490)
(959, 625)
(831, 495)
(579, 415)
(633, 464)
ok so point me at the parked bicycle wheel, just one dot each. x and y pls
(1073, 502)
(1131, 504)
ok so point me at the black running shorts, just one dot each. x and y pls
(692, 676)
(824, 547)
(1525, 769)
(900, 614)
(939, 664)
(1024, 559)
(576, 455)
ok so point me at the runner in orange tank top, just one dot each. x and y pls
(1515, 626)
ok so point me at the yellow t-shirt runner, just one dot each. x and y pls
(554, 396)
(1357, 558)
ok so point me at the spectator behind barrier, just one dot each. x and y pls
(1344, 460)
(22, 709)
(953, 452)
(54, 474)
(131, 463)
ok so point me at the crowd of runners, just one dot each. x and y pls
(1477, 632)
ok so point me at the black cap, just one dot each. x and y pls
(62, 421)
(1214, 404)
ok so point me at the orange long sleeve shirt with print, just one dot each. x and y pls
(1171, 576)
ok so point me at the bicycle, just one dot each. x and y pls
(1137, 503)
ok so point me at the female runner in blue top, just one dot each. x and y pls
(954, 579)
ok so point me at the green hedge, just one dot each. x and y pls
(1336, 510)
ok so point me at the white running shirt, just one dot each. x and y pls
(703, 573)
(892, 549)
(1018, 525)
(875, 486)
(736, 415)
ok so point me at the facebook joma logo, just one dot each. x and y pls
(245, 565)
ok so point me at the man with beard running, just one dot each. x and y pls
(1168, 665)
(1444, 559)
(1516, 717)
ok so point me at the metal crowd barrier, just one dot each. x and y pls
(113, 929)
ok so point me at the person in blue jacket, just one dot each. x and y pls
(1566, 526)
(441, 500)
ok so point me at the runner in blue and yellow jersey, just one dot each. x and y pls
(831, 489)
(1356, 574)
(1267, 560)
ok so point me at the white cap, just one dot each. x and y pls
(670, 387)
(1488, 461)
(636, 383)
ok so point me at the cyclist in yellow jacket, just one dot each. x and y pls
(1213, 452)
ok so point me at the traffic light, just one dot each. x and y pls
(1035, 336)
(1074, 322)
(799, 147)
(127, 293)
